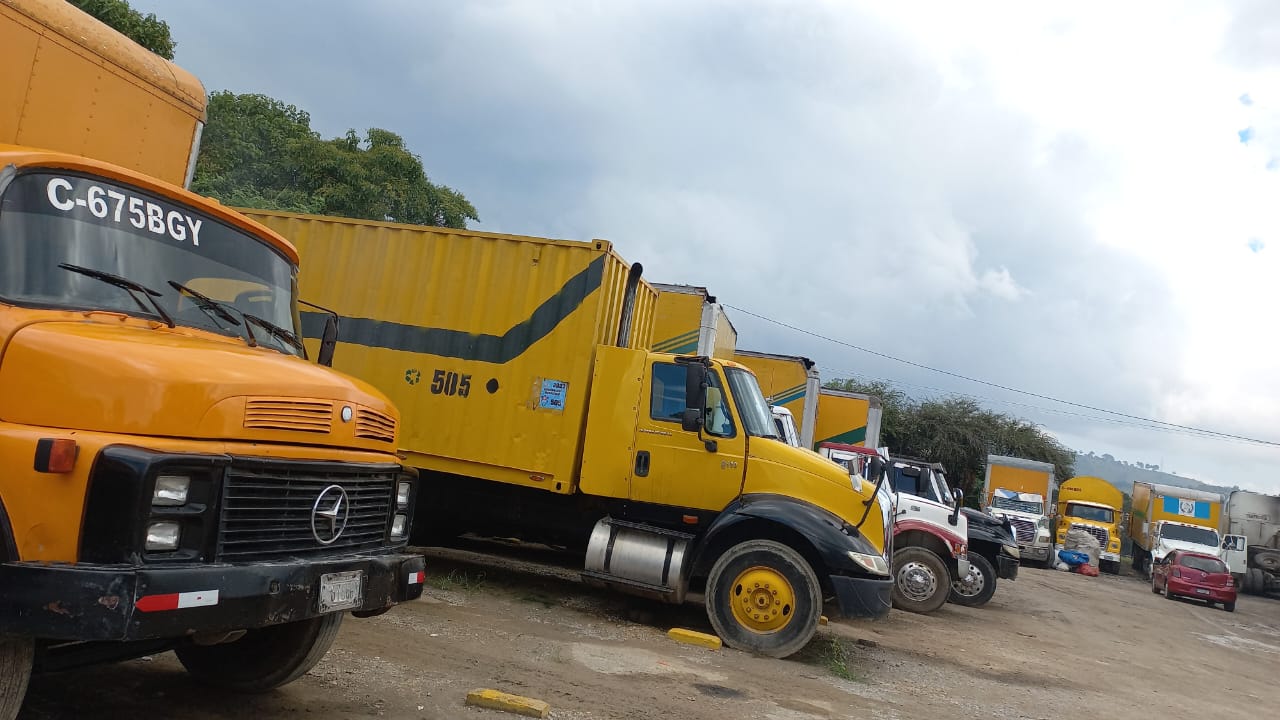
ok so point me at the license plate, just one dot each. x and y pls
(341, 591)
(1202, 591)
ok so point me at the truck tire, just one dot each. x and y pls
(16, 657)
(1110, 567)
(265, 658)
(764, 598)
(921, 582)
(1255, 582)
(976, 589)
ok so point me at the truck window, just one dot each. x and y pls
(1187, 533)
(48, 220)
(666, 399)
(1089, 512)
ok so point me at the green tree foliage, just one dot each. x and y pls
(259, 152)
(147, 30)
(958, 433)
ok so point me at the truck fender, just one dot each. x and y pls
(8, 546)
(950, 541)
(820, 536)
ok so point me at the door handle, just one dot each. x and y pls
(642, 463)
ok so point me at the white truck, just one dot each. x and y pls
(1020, 491)
(930, 537)
(1251, 546)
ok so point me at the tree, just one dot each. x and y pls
(259, 152)
(959, 433)
(147, 30)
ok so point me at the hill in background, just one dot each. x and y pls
(1123, 474)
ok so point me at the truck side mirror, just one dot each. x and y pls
(328, 341)
(695, 383)
(691, 420)
(958, 495)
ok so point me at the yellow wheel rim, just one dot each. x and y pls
(762, 600)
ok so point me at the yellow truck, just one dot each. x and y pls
(1167, 518)
(687, 320)
(72, 84)
(1095, 506)
(174, 473)
(533, 408)
(1021, 491)
(790, 382)
(847, 418)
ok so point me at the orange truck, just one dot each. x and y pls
(175, 474)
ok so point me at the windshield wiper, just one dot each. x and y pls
(128, 286)
(211, 307)
(274, 330)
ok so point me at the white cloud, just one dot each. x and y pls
(1049, 196)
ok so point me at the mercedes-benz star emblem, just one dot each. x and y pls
(329, 514)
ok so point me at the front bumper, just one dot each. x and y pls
(1039, 553)
(863, 597)
(1006, 567)
(1112, 556)
(117, 603)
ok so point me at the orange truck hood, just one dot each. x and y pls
(111, 374)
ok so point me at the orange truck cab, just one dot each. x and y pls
(174, 472)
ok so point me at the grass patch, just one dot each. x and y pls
(833, 654)
(457, 580)
(538, 599)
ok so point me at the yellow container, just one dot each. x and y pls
(75, 85)
(484, 341)
(689, 321)
(848, 418)
(1019, 475)
(791, 382)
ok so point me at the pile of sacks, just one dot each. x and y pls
(1079, 553)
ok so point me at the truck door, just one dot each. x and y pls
(686, 470)
(1235, 553)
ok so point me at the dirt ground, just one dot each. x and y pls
(1050, 645)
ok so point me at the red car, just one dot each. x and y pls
(1194, 575)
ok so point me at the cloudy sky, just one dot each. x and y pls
(1076, 199)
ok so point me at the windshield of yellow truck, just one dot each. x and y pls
(757, 419)
(1089, 512)
(69, 240)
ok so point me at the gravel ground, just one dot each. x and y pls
(1049, 645)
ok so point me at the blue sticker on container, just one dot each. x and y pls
(553, 395)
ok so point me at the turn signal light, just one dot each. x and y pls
(55, 455)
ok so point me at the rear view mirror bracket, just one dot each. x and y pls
(329, 337)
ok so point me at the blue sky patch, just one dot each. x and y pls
(1246, 135)
(1256, 245)
(1246, 100)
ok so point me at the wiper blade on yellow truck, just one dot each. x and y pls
(128, 286)
(273, 329)
(211, 307)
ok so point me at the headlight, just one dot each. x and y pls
(163, 536)
(399, 526)
(1013, 551)
(402, 494)
(872, 563)
(171, 490)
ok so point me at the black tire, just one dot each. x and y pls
(265, 658)
(724, 589)
(1229, 607)
(921, 581)
(1110, 567)
(16, 657)
(1256, 581)
(1154, 589)
(976, 589)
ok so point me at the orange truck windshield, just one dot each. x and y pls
(68, 240)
